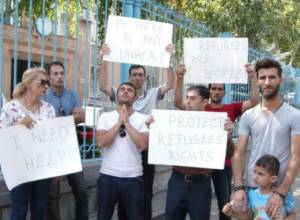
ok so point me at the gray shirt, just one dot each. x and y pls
(146, 102)
(270, 134)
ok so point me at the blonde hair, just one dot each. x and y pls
(28, 77)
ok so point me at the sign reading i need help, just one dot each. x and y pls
(216, 60)
(188, 138)
(49, 149)
(138, 41)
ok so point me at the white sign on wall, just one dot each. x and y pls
(49, 149)
(216, 60)
(138, 41)
(188, 138)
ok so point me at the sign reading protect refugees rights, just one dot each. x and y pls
(216, 60)
(138, 41)
(47, 150)
(188, 138)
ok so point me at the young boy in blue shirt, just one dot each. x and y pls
(265, 177)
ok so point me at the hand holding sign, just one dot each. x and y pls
(180, 72)
(27, 121)
(250, 70)
(228, 126)
(105, 50)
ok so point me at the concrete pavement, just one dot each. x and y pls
(214, 210)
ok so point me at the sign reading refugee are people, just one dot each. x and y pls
(47, 150)
(216, 60)
(138, 41)
(188, 138)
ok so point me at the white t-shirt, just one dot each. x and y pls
(123, 157)
(270, 134)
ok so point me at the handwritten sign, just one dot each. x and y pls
(188, 138)
(138, 41)
(49, 149)
(216, 60)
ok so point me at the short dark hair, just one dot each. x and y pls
(55, 63)
(136, 67)
(128, 84)
(210, 84)
(267, 63)
(270, 163)
(201, 90)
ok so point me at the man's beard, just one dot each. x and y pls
(215, 101)
(271, 95)
(127, 103)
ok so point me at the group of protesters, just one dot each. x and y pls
(261, 184)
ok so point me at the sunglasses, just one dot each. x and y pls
(61, 112)
(122, 131)
(44, 82)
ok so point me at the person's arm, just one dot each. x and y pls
(291, 215)
(276, 201)
(238, 165)
(170, 74)
(103, 81)
(254, 92)
(78, 115)
(178, 101)
(141, 139)
(105, 138)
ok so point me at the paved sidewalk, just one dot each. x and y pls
(214, 210)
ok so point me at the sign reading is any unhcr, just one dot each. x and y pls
(188, 138)
(138, 41)
(49, 149)
(216, 60)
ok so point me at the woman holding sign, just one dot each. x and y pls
(28, 109)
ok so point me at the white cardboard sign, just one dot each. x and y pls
(188, 138)
(47, 150)
(138, 41)
(216, 60)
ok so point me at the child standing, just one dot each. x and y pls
(265, 176)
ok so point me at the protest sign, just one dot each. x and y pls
(188, 138)
(216, 60)
(138, 41)
(49, 149)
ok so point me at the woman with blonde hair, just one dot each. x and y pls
(28, 108)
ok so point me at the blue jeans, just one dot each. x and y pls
(79, 189)
(148, 176)
(222, 184)
(130, 191)
(188, 196)
(33, 193)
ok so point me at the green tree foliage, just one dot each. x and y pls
(69, 7)
(272, 25)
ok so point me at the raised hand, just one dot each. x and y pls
(180, 72)
(250, 70)
(105, 50)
